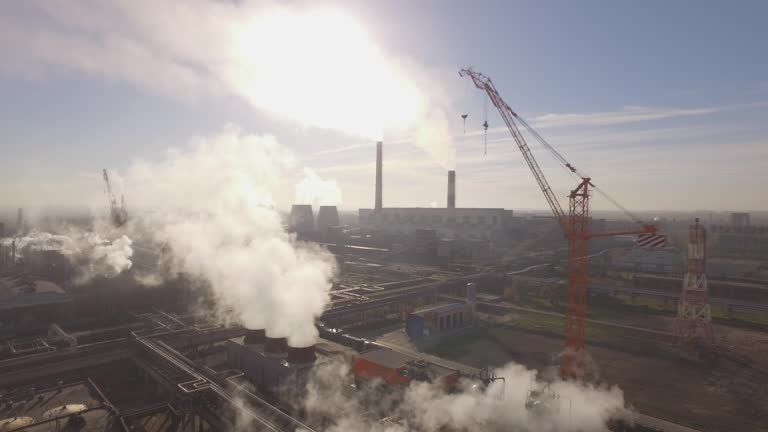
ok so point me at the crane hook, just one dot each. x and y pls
(464, 118)
(485, 137)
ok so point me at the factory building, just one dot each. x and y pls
(451, 222)
(400, 369)
(740, 219)
(647, 260)
(477, 223)
(77, 406)
(436, 319)
(28, 303)
(742, 241)
(268, 362)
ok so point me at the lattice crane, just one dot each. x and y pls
(574, 224)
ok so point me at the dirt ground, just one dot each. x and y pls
(726, 394)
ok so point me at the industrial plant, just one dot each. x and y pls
(213, 301)
(414, 286)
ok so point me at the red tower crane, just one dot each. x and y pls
(694, 318)
(574, 224)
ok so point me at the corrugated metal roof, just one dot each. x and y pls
(387, 357)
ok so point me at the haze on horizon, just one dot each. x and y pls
(662, 119)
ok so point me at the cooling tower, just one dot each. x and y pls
(254, 336)
(327, 216)
(301, 219)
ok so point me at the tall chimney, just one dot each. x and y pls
(20, 221)
(451, 189)
(378, 175)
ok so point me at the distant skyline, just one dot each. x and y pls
(664, 104)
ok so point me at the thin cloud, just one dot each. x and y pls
(611, 118)
(627, 115)
(343, 149)
(631, 114)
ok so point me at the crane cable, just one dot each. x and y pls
(485, 124)
(572, 169)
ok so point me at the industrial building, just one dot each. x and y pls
(448, 222)
(28, 303)
(647, 260)
(400, 369)
(743, 241)
(433, 320)
(436, 319)
(77, 406)
(740, 219)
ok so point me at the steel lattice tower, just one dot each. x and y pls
(694, 318)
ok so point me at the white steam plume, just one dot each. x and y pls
(312, 189)
(311, 65)
(213, 207)
(428, 407)
(90, 253)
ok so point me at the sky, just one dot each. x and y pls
(664, 104)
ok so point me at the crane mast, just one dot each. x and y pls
(574, 224)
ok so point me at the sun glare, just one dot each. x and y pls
(321, 68)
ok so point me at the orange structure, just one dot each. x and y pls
(694, 318)
(398, 369)
(575, 224)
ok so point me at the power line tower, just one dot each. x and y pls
(694, 318)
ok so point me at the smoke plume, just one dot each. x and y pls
(313, 66)
(212, 205)
(567, 406)
(90, 253)
(314, 190)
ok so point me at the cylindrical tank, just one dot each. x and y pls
(303, 356)
(276, 347)
(15, 423)
(471, 292)
(254, 337)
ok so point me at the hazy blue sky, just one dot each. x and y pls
(663, 103)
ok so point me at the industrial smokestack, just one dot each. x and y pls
(254, 336)
(276, 347)
(327, 217)
(301, 356)
(378, 175)
(451, 189)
